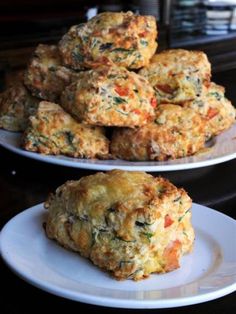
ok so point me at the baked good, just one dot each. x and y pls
(176, 132)
(45, 76)
(215, 107)
(130, 224)
(90, 74)
(16, 105)
(110, 96)
(178, 75)
(125, 39)
(53, 131)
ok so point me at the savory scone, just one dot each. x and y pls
(130, 224)
(215, 107)
(125, 39)
(177, 75)
(110, 96)
(53, 131)
(176, 132)
(16, 105)
(45, 76)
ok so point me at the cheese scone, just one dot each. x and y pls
(176, 132)
(178, 75)
(125, 39)
(53, 131)
(45, 76)
(110, 96)
(215, 107)
(16, 105)
(130, 224)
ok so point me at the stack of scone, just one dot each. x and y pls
(105, 73)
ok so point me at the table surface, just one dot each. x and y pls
(25, 182)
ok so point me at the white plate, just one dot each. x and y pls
(209, 272)
(222, 148)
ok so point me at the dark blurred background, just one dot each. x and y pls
(192, 24)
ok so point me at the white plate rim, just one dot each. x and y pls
(224, 150)
(107, 301)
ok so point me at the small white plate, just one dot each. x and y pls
(209, 272)
(222, 148)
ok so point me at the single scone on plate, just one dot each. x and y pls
(130, 224)
(110, 96)
(52, 131)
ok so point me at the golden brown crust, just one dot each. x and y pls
(45, 76)
(176, 132)
(215, 108)
(110, 96)
(53, 131)
(178, 75)
(128, 223)
(16, 105)
(126, 39)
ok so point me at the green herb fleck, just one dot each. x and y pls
(123, 263)
(199, 103)
(122, 112)
(85, 39)
(94, 42)
(149, 235)
(43, 139)
(184, 232)
(111, 76)
(52, 68)
(177, 199)
(77, 56)
(128, 51)
(135, 272)
(139, 224)
(181, 217)
(94, 237)
(121, 239)
(216, 95)
(142, 224)
(69, 137)
(143, 42)
(105, 46)
(119, 100)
